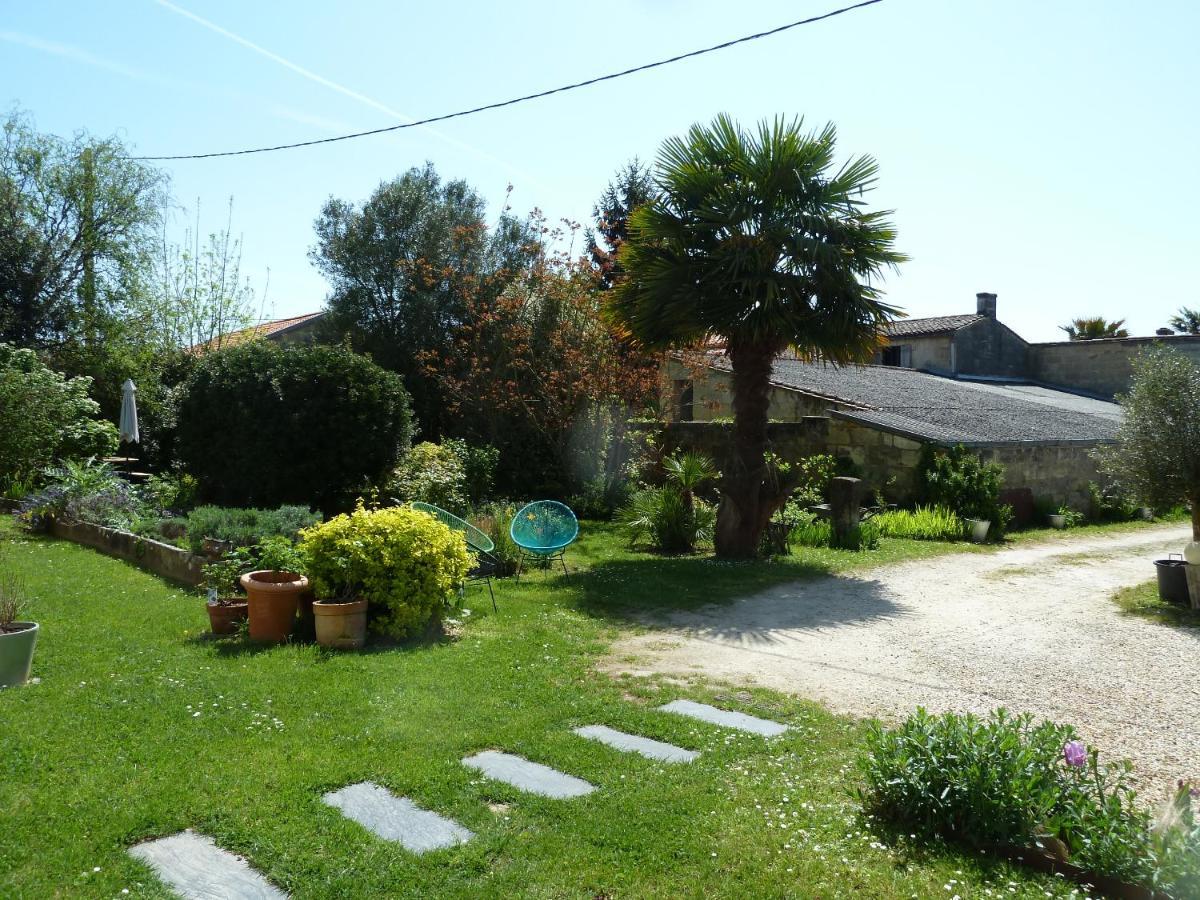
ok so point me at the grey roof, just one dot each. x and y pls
(931, 325)
(944, 409)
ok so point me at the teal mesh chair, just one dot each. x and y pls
(543, 530)
(478, 542)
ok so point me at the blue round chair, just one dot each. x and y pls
(544, 529)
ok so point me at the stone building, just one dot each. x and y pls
(1039, 409)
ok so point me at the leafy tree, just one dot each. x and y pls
(1157, 454)
(196, 294)
(262, 425)
(534, 367)
(1187, 321)
(1094, 329)
(632, 186)
(45, 417)
(756, 238)
(403, 267)
(76, 218)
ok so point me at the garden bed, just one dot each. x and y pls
(171, 562)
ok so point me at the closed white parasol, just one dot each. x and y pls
(129, 423)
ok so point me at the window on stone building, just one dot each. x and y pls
(683, 400)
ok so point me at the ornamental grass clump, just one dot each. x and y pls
(405, 563)
(925, 523)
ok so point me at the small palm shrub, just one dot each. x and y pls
(925, 523)
(406, 564)
(1005, 780)
(671, 518)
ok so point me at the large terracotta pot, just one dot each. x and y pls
(272, 598)
(16, 653)
(341, 625)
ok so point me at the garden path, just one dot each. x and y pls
(1031, 628)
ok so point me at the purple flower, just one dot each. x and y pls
(1075, 753)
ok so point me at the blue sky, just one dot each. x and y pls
(1041, 150)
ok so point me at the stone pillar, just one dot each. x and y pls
(845, 509)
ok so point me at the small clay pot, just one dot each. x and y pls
(341, 625)
(225, 616)
(272, 597)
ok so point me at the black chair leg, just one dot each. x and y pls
(562, 558)
(492, 593)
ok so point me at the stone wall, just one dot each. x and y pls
(1057, 472)
(162, 559)
(1099, 367)
(988, 347)
(931, 352)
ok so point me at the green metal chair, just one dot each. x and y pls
(477, 541)
(544, 529)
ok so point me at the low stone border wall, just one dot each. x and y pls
(161, 559)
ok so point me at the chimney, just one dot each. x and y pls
(1164, 332)
(985, 305)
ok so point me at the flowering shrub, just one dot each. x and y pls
(405, 563)
(89, 492)
(1004, 780)
(431, 473)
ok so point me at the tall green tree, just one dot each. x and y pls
(1187, 320)
(761, 239)
(1094, 328)
(77, 220)
(402, 267)
(632, 186)
(1156, 457)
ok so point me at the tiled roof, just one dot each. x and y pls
(262, 330)
(944, 409)
(932, 325)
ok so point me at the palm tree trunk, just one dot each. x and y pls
(1196, 518)
(744, 511)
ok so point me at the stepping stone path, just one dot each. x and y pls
(397, 818)
(715, 716)
(198, 869)
(528, 776)
(632, 743)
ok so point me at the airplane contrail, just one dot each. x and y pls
(334, 86)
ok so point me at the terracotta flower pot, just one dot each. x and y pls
(16, 652)
(227, 614)
(341, 625)
(272, 598)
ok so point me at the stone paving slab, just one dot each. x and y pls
(528, 776)
(632, 743)
(197, 869)
(715, 716)
(396, 818)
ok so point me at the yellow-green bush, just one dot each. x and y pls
(405, 563)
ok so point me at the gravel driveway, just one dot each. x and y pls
(1031, 628)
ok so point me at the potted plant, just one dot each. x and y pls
(17, 639)
(274, 591)
(227, 608)
(1058, 520)
(401, 564)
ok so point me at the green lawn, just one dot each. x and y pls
(1142, 600)
(141, 726)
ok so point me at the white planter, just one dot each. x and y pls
(979, 529)
(1057, 521)
(1192, 553)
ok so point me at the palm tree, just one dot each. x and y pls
(758, 239)
(1094, 329)
(1188, 321)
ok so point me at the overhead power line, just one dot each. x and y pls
(515, 100)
